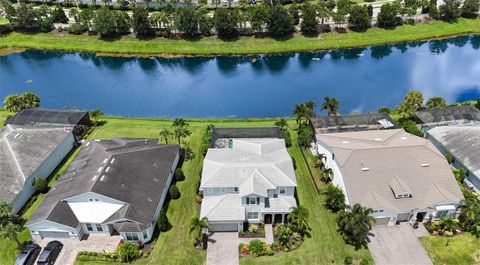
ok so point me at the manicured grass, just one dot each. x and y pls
(3, 116)
(325, 246)
(463, 249)
(242, 45)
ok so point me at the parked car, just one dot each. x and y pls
(28, 254)
(50, 253)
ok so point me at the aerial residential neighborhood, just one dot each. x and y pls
(240, 132)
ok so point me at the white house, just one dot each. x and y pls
(113, 186)
(247, 181)
(27, 153)
(400, 176)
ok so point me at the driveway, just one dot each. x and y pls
(71, 247)
(397, 245)
(223, 249)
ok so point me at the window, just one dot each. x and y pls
(253, 200)
(99, 227)
(89, 227)
(90, 200)
(223, 190)
(96, 200)
(230, 143)
(252, 215)
(235, 189)
(209, 190)
(441, 214)
(145, 234)
(33, 182)
(282, 190)
(132, 236)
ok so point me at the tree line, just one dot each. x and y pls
(274, 20)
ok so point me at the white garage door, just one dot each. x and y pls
(223, 227)
(50, 234)
(382, 221)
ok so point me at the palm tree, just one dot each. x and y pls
(319, 161)
(335, 199)
(165, 133)
(299, 217)
(181, 132)
(330, 105)
(328, 173)
(355, 225)
(304, 111)
(298, 112)
(9, 228)
(196, 227)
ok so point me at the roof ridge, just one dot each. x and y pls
(224, 197)
(15, 160)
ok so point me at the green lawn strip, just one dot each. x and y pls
(3, 116)
(242, 45)
(462, 249)
(325, 246)
(3, 20)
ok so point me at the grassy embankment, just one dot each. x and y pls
(243, 45)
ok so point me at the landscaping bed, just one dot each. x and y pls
(254, 231)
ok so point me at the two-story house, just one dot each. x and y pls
(112, 187)
(249, 180)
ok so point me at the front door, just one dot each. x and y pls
(267, 219)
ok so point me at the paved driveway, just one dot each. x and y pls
(397, 245)
(71, 247)
(223, 249)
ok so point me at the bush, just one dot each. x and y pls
(364, 262)
(411, 127)
(128, 251)
(77, 29)
(40, 184)
(348, 260)
(253, 228)
(257, 247)
(179, 176)
(286, 137)
(45, 25)
(174, 192)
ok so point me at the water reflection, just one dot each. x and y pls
(247, 86)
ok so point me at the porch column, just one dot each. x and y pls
(283, 218)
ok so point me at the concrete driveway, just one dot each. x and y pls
(397, 245)
(223, 249)
(71, 247)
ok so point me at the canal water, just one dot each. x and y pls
(363, 79)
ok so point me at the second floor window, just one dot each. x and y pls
(282, 190)
(253, 200)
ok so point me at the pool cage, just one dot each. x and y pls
(244, 132)
(353, 122)
(455, 115)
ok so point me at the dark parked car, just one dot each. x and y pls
(28, 254)
(50, 253)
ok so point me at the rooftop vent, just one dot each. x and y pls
(365, 168)
(16, 136)
(149, 199)
(99, 169)
(425, 165)
(88, 143)
(97, 140)
(403, 138)
(102, 178)
(377, 139)
(113, 160)
(345, 142)
(95, 177)
(108, 169)
(155, 179)
(105, 160)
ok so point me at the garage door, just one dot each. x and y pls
(402, 217)
(223, 227)
(50, 234)
(382, 221)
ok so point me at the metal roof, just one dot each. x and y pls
(39, 116)
(459, 114)
(353, 122)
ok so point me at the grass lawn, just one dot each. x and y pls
(463, 249)
(3, 20)
(242, 45)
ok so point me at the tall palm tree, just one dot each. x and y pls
(330, 105)
(196, 227)
(299, 217)
(355, 225)
(165, 134)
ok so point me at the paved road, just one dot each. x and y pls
(397, 245)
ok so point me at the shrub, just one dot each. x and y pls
(77, 29)
(287, 138)
(163, 223)
(45, 25)
(40, 184)
(198, 198)
(411, 127)
(174, 192)
(128, 251)
(257, 247)
(244, 250)
(348, 260)
(364, 262)
(253, 228)
(179, 176)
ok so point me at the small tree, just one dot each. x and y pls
(305, 137)
(387, 18)
(18, 102)
(9, 228)
(140, 22)
(165, 134)
(187, 20)
(174, 192)
(355, 225)
(40, 184)
(335, 199)
(196, 228)
(331, 105)
(411, 103)
(299, 219)
(179, 176)
(309, 20)
(470, 8)
(59, 16)
(450, 10)
(226, 21)
(95, 114)
(436, 102)
(359, 17)
(102, 22)
(280, 22)
(128, 251)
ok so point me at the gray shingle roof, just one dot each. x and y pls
(449, 114)
(22, 151)
(133, 171)
(376, 164)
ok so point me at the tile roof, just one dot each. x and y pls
(463, 142)
(226, 207)
(22, 151)
(375, 164)
(134, 171)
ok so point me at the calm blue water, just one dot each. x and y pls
(362, 80)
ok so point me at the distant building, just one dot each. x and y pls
(112, 187)
(462, 142)
(27, 153)
(455, 115)
(353, 122)
(247, 180)
(400, 176)
(74, 120)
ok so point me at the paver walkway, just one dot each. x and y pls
(269, 233)
(397, 245)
